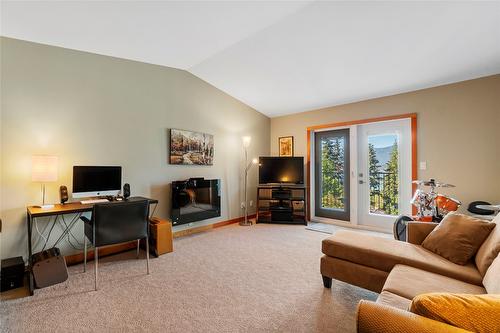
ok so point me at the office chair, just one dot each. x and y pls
(116, 222)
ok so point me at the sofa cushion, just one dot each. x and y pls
(384, 254)
(388, 298)
(409, 282)
(477, 313)
(489, 249)
(458, 237)
(491, 279)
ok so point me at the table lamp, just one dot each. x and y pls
(44, 169)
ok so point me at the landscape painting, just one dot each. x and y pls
(191, 148)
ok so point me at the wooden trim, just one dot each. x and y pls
(203, 228)
(308, 175)
(118, 248)
(363, 121)
(411, 116)
(414, 162)
(103, 252)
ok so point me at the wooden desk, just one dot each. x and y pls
(34, 212)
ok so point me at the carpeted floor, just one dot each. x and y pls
(263, 278)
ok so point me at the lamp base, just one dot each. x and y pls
(45, 206)
(247, 224)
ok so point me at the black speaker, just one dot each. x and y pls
(63, 193)
(126, 190)
(12, 273)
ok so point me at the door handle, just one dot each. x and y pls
(361, 181)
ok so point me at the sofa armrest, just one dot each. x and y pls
(374, 318)
(417, 231)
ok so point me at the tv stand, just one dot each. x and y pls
(281, 204)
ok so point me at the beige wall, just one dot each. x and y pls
(96, 110)
(458, 132)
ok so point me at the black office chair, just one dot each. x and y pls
(116, 222)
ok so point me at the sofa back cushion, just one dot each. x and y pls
(491, 281)
(458, 237)
(489, 249)
(477, 313)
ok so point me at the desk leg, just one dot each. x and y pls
(31, 286)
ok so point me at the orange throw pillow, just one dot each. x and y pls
(476, 313)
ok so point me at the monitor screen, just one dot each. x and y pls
(96, 180)
(281, 170)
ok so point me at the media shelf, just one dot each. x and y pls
(281, 204)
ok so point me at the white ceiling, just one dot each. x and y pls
(280, 57)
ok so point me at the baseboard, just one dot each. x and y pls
(195, 230)
(118, 248)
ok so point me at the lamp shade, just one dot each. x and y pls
(246, 141)
(44, 168)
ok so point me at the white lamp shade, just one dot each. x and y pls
(44, 168)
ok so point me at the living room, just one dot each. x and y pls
(304, 166)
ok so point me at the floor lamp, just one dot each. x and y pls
(248, 166)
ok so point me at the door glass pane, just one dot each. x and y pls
(332, 172)
(383, 169)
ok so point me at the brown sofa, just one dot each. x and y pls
(399, 271)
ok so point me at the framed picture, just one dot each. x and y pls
(191, 148)
(285, 145)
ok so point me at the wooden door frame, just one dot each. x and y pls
(310, 129)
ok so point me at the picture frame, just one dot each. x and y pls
(285, 146)
(191, 148)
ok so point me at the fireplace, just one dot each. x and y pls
(194, 200)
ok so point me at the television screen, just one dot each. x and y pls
(281, 170)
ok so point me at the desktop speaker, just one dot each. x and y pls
(63, 193)
(126, 190)
(49, 268)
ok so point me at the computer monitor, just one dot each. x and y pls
(92, 181)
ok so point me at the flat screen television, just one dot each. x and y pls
(92, 181)
(281, 170)
(195, 199)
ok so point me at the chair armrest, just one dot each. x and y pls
(374, 318)
(417, 231)
(85, 219)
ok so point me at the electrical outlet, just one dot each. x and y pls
(423, 165)
(251, 203)
(242, 205)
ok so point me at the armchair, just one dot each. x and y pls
(113, 223)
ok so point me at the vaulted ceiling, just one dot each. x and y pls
(280, 57)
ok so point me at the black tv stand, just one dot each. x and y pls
(281, 204)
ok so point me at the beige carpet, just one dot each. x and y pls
(263, 278)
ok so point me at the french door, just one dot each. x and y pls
(362, 173)
(384, 172)
(332, 168)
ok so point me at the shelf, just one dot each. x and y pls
(265, 219)
(266, 203)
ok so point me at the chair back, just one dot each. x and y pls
(118, 222)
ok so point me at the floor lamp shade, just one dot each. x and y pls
(44, 168)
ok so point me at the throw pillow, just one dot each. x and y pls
(458, 237)
(476, 313)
